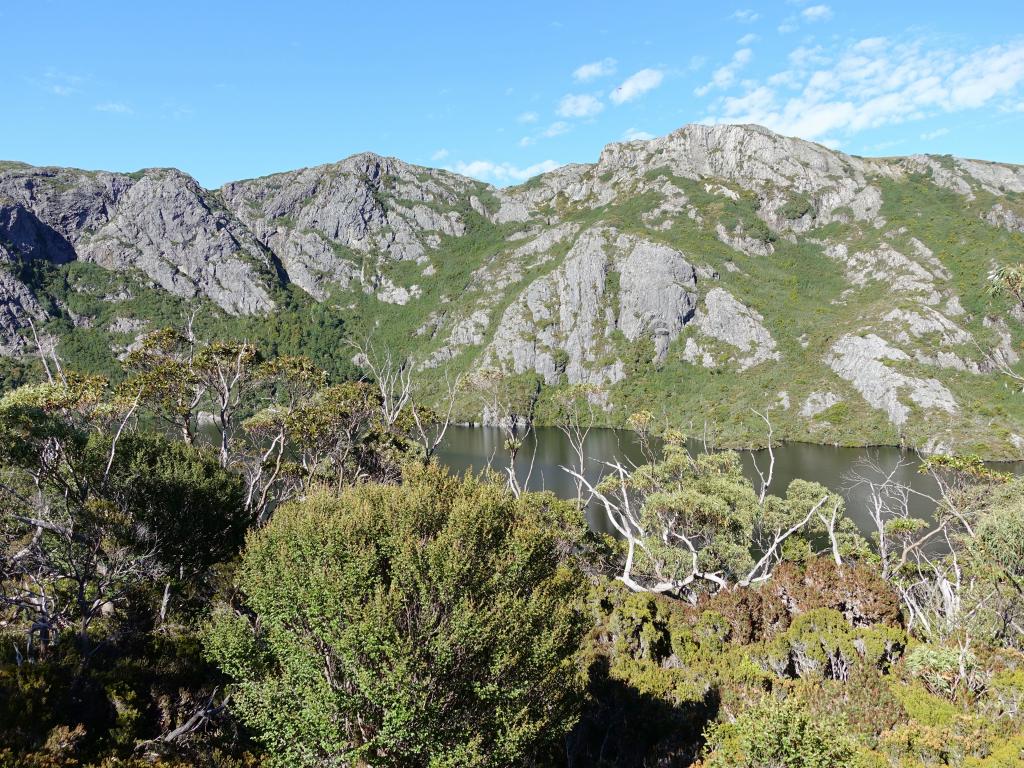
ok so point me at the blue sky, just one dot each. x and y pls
(231, 90)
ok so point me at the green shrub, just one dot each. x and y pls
(432, 623)
(779, 734)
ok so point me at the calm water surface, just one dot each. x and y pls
(474, 447)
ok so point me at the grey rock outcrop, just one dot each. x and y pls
(321, 221)
(565, 321)
(727, 320)
(1006, 218)
(861, 360)
(657, 292)
(818, 402)
(159, 222)
(17, 307)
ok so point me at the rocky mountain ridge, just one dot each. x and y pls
(697, 275)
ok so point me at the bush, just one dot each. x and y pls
(436, 623)
(778, 735)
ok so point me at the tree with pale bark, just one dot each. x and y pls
(694, 525)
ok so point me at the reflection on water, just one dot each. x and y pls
(548, 450)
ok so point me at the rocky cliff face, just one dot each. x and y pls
(704, 273)
(322, 222)
(158, 222)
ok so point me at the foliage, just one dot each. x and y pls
(779, 735)
(696, 524)
(73, 712)
(386, 613)
(93, 514)
(432, 624)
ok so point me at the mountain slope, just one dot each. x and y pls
(697, 275)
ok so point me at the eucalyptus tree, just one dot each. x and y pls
(695, 525)
(94, 512)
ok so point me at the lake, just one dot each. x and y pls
(549, 449)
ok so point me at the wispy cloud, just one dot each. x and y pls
(817, 13)
(439, 155)
(872, 83)
(115, 107)
(528, 117)
(632, 134)
(637, 84)
(725, 76)
(882, 146)
(746, 16)
(579, 105)
(747, 39)
(929, 135)
(556, 129)
(594, 70)
(503, 173)
(60, 83)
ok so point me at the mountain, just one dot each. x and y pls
(699, 275)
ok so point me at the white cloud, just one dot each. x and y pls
(871, 83)
(594, 70)
(528, 117)
(579, 105)
(503, 173)
(637, 84)
(439, 155)
(632, 134)
(725, 76)
(987, 74)
(116, 107)
(557, 129)
(746, 16)
(527, 141)
(805, 57)
(929, 135)
(786, 27)
(747, 39)
(817, 13)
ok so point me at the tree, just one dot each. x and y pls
(575, 419)
(184, 508)
(286, 385)
(994, 597)
(934, 566)
(433, 623)
(162, 372)
(1008, 281)
(696, 525)
(94, 511)
(175, 375)
(507, 402)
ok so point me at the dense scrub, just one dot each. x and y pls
(226, 559)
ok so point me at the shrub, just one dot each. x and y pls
(435, 623)
(779, 734)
